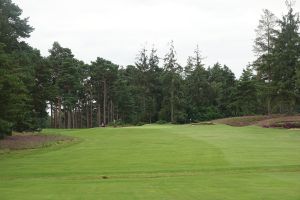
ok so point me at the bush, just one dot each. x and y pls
(180, 118)
(161, 122)
(5, 128)
(117, 123)
(140, 124)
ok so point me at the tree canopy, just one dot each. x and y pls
(60, 91)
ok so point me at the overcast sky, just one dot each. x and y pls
(118, 29)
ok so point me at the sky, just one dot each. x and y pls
(117, 29)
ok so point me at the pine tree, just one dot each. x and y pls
(155, 86)
(142, 81)
(264, 44)
(172, 80)
(197, 88)
(286, 53)
(12, 26)
(246, 95)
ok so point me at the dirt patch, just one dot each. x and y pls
(31, 141)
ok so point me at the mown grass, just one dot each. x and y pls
(159, 162)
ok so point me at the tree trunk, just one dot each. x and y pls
(117, 113)
(269, 104)
(104, 101)
(55, 116)
(172, 101)
(81, 119)
(99, 115)
(59, 113)
(69, 119)
(87, 116)
(75, 118)
(51, 114)
(91, 115)
(107, 114)
(112, 111)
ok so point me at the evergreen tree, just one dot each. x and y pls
(12, 26)
(103, 76)
(18, 62)
(155, 86)
(65, 83)
(264, 44)
(172, 81)
(197, 88)
(142, 86)
(286, 54)
(223, 84)
(246, 94)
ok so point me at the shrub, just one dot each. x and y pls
(140, 124)
(5, 128)
(117, 123)
(161, 122)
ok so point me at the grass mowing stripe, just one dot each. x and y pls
(162, 174)
(158, 162)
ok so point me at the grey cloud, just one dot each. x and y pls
(116, 29)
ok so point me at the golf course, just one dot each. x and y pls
(157, 162)
(149, 100)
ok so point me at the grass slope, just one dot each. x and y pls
(159, 162)
(263, 121)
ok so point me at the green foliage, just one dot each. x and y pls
(5, 128)
(22, 106)
(80, 95)
(286, 55)
(246, 94)
(278, 65)
(12, 26)
(161, 122)
(139, 124)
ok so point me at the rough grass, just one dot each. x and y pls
(242, 121)
(281, 121)
(20, 141)
(159, 162)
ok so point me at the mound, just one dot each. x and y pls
(276, 121)
(242, 121)
(281, 122)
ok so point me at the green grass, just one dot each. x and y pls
(158, 162)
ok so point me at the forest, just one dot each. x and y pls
(60, 91)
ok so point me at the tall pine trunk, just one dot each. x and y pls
(172, 101)
(59, 113)
(69, 118)
(112, 110)
(104, 101)
(99, 115)
(91, 115)
(55, 116)
(87, 116)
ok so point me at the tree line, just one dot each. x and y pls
(60, 91)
